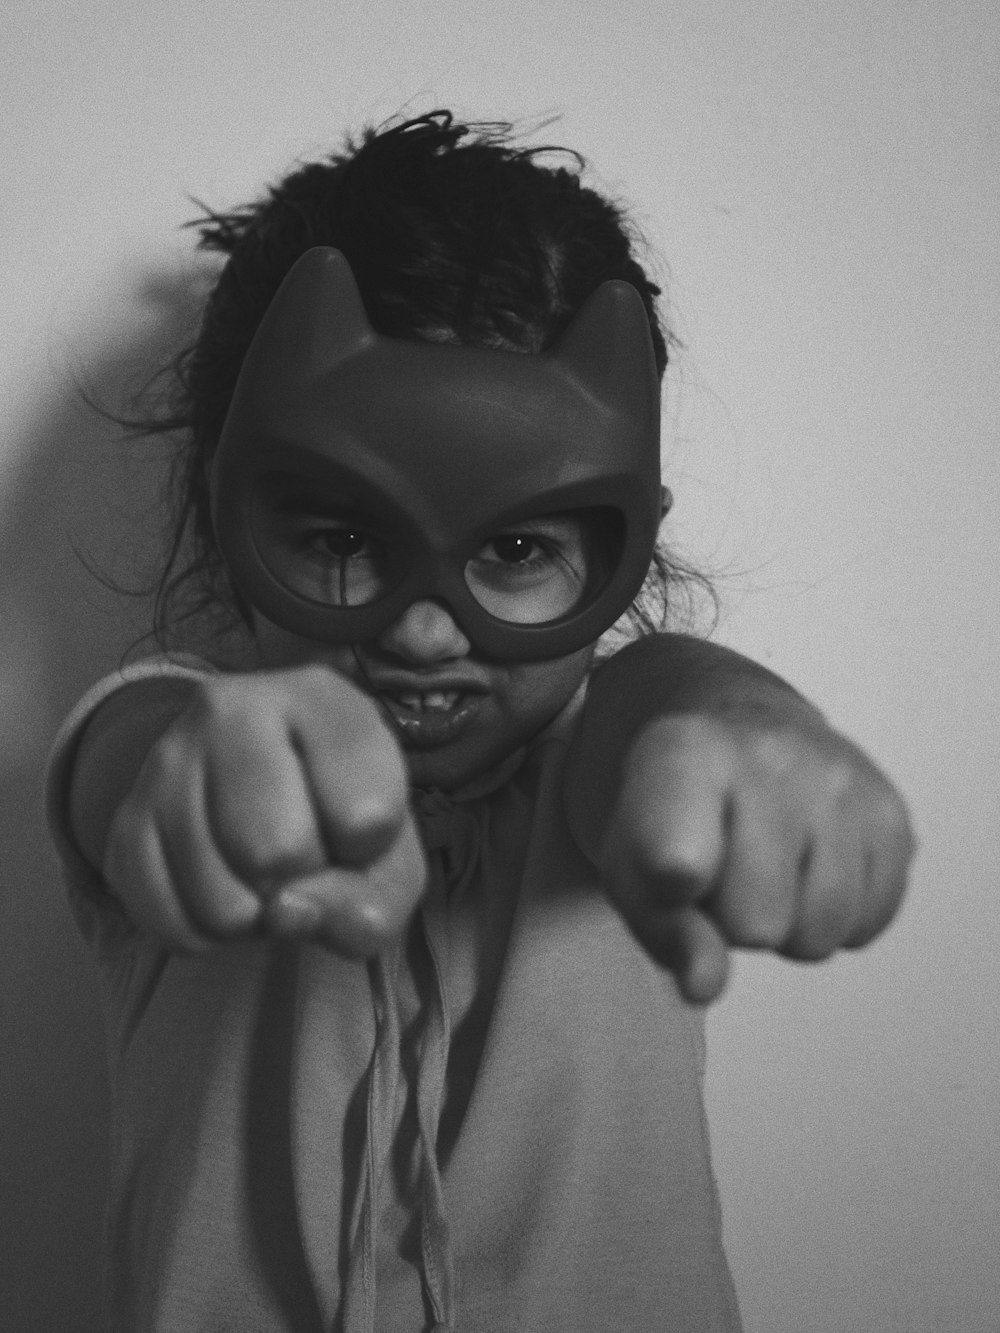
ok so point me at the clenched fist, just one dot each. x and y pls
(737, 830)
(273, 802)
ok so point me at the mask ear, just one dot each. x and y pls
(608, 347)
(316, 320)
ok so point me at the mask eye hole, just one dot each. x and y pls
(542, 568)
(321, 549)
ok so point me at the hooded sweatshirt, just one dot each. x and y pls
(497, 1125)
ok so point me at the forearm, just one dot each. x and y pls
(663, 675)
(112, 750)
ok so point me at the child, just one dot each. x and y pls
(404, 917)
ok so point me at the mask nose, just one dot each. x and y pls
(424, 634)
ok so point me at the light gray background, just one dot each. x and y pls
(821, 179)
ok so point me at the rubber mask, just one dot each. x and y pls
(357, 474)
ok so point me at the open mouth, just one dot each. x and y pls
(430, 717)
(433, 701)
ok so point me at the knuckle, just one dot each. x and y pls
(819, 773)
(362, 825)
(267, 861)
(312, 675)
(242, 707)
(700, 738)
(753, 924)
(265, 832)
(825, 928)
(373, 809)
(776, 753)
(166, 765)
(677, 741)
(890, 817)
(315, 687)
(839, 782)
(214, 700)
(321, 687)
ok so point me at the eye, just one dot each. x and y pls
(327, 553)
(532, 573)
(514, 548)
(343, 543)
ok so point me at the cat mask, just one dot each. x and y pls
(415, 455)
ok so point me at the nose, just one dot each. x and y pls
(424, 634)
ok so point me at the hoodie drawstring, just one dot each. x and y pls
(435, 1243)
(452, 841)
(383, 1080)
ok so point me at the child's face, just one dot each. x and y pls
(358, 473)
(455, 713)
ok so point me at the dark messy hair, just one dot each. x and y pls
(454, 234)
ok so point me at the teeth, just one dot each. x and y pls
(440, 699)
(434, 701)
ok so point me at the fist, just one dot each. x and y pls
(757, 834)
(274, 802)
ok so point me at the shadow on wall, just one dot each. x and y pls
(79, 488)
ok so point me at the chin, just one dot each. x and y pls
(441, 771)
(449, 766)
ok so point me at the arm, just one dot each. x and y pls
(112, 750)
(228, 804)
(723, 810)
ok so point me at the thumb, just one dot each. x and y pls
(357, 912)
(336, 908)
(687, 942)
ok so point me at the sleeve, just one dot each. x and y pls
(96, 910)
(659, 676)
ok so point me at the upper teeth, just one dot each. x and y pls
(433, 699)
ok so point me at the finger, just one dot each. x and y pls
(357, 782)
(259, 809)
(833, 883)
(668, 838)
(138, 873)
(357, 912)
(217, 901)
(692, 947)
(891, 846)
(755, 902)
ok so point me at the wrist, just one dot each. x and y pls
(663, 676)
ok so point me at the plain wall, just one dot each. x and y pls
(822, 182)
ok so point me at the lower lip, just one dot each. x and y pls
(423, 729)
